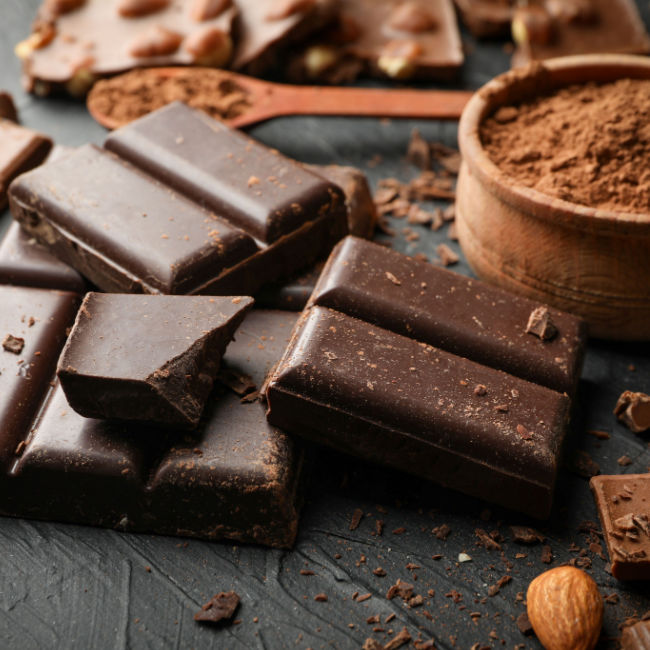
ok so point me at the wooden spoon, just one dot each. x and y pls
(266, 100)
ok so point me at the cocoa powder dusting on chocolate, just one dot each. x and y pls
(588, 144)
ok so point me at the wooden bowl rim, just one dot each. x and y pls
(526, 198)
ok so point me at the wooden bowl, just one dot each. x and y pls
(590, 262)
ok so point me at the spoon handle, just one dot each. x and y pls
(280, 99)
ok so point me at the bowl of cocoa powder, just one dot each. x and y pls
(553, 197)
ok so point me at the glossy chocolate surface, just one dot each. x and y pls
(623, 503)
(256, 188)
(130, 233)
(25, 262)
(147, 358)
(452, 312)
(235, 477)
(361, 375)
(73, 48)
(20, 150)
(40, 319)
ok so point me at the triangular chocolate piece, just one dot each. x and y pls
(150, 358)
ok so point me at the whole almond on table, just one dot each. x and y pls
(565, 609)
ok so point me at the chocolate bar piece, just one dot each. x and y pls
(72, 44)
(256, 188)
(623, 503)
(148, 358)
(266, 216)
(487, 18)
(361, 375)
(449, 311)
(25, 262)
(267, 28)
(37, 319)
(7, 107)
(235, 477)
(386, 38)
(361, 208)
(362, 219)
(636, 637)
(21, 149)
(552, 28)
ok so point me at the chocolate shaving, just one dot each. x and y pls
(239, 382)
(220, 607)
(526, 535)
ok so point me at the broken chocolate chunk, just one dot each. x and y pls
(633, 410)
(541, 325)
(148, 358)
(220, 607)
(13, 344)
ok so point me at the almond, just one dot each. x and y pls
(287, 8)
(156, 41)
(210, 46)
(411, 17)
(565, 609)
(207, 9)
(137, 8)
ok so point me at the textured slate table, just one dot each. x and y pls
(64, 586)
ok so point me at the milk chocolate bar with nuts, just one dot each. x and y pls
(75, 42)
(546, 29)
(385, 38)
(487, 18)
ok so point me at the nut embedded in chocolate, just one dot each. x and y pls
(541, 325)
(138, 8)
(633, 410)
(220, 607)
(13, 344)
(156, 41)
(208, 9)
(532, 24)
(411, 17)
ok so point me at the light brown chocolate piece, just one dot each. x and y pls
(633, 410)
(551, 28)
(624, 508)
(267, 27)
(636, 637)
(386, 38)
(71, 49)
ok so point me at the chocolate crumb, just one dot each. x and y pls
(633, 410)
(320, 598)
(524, 625)
(371, 644)
(357, 515)
(526, 535)
(446, 255)
(13, 344)
(547, 554)
(403, 637)
(442, 531)
(220, 607)
(541, 325)
(419, 152)
(624, 461)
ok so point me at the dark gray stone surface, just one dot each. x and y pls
(64, 586)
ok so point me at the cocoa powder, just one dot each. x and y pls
(588, 144)
(134, 94)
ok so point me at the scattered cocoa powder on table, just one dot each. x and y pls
(588, 144)
(134, 94)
